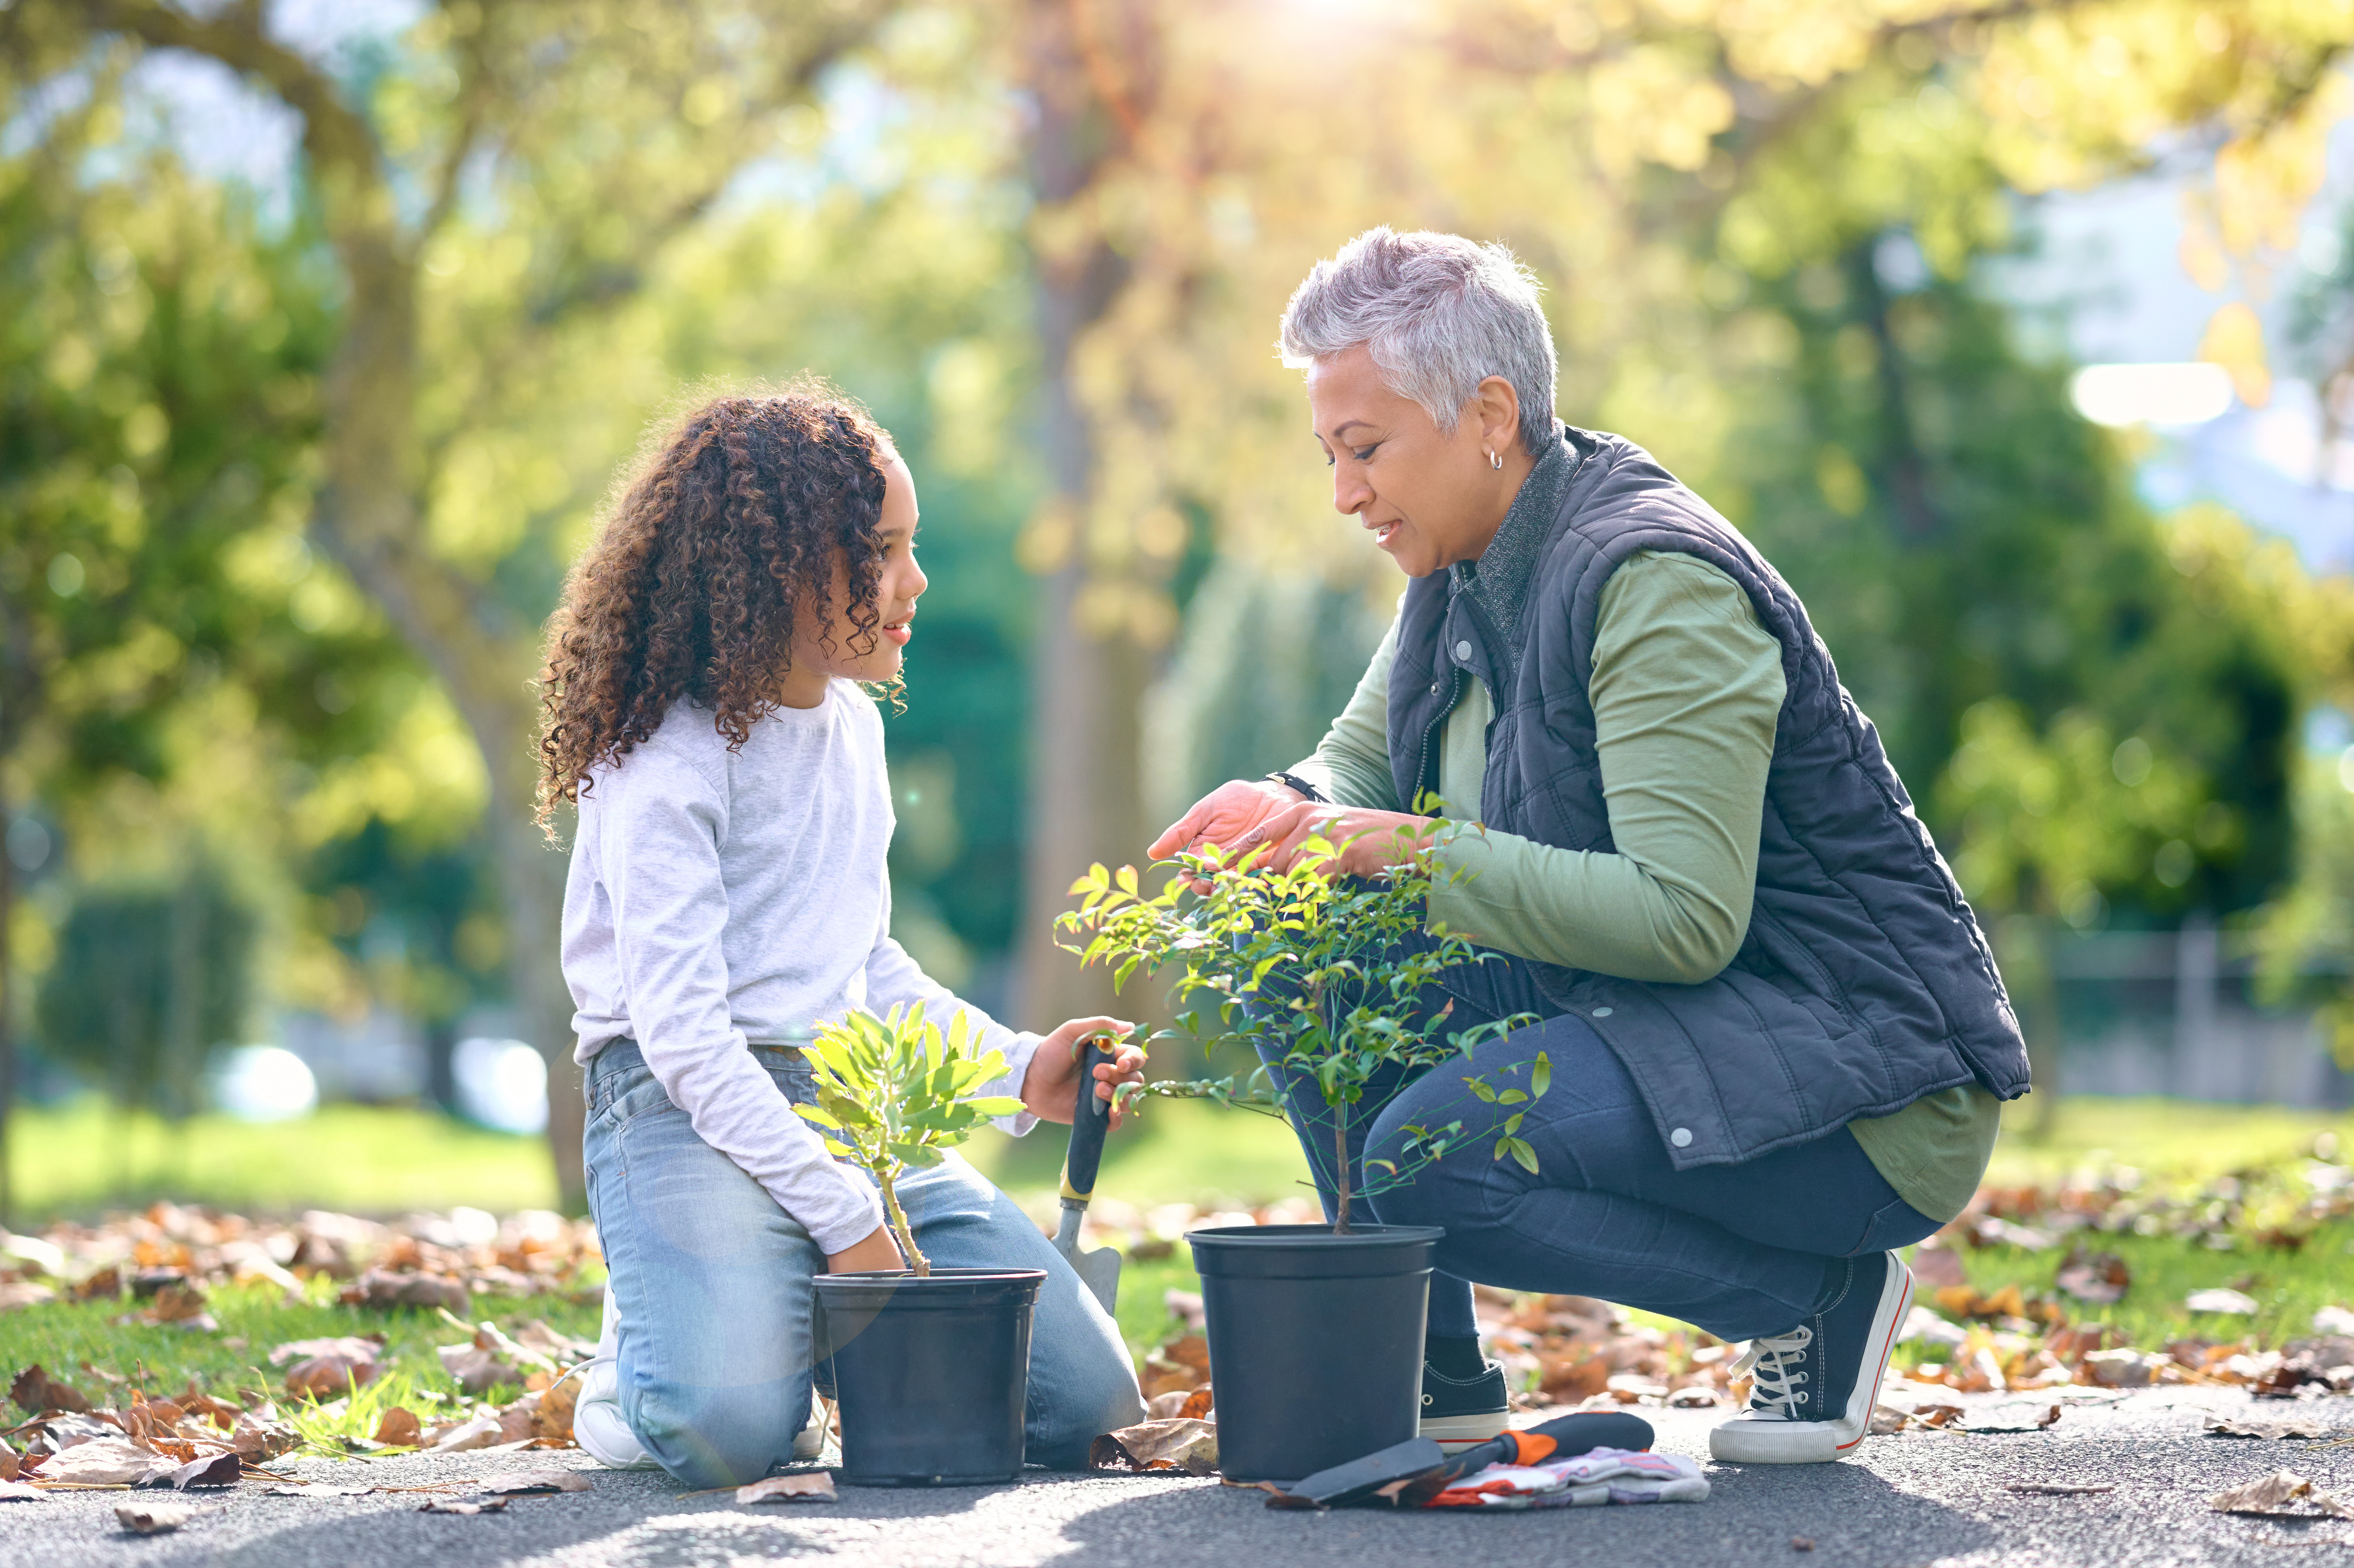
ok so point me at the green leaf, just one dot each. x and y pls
(1524, 1154)
(1541, 1076)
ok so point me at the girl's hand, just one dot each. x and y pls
(1368, 840)
(1051, 1088)
(878, 1253)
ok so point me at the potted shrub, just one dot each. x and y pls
(931, 1367)
(1315, 1332)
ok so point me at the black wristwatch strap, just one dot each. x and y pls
(1294, 782)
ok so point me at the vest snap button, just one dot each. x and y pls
(1463, 652)
(1601, 1012)
(1681, 1138)
(1434, 688)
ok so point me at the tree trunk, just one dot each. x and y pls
(7, 1009)
(1088, 674)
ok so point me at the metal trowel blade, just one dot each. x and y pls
(1099, 1270)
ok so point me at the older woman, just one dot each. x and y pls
(1779, 1041)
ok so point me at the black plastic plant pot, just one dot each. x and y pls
(933, 1374)
(1315, 1342)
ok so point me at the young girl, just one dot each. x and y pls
(705, 711)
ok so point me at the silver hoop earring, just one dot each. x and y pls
(1496, 459)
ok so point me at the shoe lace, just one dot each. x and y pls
(1775, 1364)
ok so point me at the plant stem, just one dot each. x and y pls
(1340, 1160)
(900, 1226)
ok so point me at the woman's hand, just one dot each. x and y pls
(1367, 841)
(877, 1253)
(1224, 815)
(1051, 1088)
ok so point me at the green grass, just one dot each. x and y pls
(85, 1157)
(1177, 1151)
(70, 1338)
(82, 1159)
(2173, 1142)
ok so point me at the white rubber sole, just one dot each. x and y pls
(1454, 1434)
(1749, 1439)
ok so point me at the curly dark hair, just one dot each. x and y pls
(724, 531)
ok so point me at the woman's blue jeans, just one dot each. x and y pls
(1738, 1250)
(711, 1283)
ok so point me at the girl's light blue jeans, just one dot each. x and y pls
(711, 1280)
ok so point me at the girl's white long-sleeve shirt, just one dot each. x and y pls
(718, 897)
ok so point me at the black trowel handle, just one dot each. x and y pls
(1090, 1119)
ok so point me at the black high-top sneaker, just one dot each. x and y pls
(1812, 1389)
(1458, 1412)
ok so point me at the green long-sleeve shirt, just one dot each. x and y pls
(1686, 690)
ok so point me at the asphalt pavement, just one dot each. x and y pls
(1907, 1500)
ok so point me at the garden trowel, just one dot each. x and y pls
(1090, 1119)
(1409, 1474)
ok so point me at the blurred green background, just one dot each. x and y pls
(330, 327)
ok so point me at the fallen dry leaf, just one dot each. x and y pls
(329, 1377)
(551, 1419)
(2008, 1418)
(107, 1462)
(15, 1293)
(384, 1287)
(179, 1305)
(2122, 1368)
(1938, 1267)
(152, 1519)
(2309, 1427)
(2275, 1493)
(20, 1491)
(488, 1505)
(480, 1433)
(2237, 1303)
(399, 1428)
(2100, 1278)
(209, 1470)
(350, 1347)
(35, 1390)
(801, 1486)
(476, 1368)
(517, 1483)
(1179, 1444)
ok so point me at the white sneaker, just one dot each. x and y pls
(1812, 1390)
(809, 1442)
(597, 1423)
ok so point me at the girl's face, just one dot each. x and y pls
(822, 653)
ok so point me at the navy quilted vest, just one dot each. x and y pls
(1863, 983)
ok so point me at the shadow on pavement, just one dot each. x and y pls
(1752, 1515)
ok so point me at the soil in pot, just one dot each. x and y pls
(932, 1372)
(1315, 1342)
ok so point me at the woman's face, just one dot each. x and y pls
(1428, 498)
(843, 651)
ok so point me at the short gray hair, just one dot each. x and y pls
(1439, 314)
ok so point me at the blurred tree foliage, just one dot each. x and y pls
(1049, 240)
(144, 980)
(158, 407)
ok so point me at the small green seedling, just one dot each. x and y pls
(891, 1097)
(1314, 970)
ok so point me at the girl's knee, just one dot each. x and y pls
(726, 1436)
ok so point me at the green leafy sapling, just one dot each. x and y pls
(1317, 972)
(892, 1098)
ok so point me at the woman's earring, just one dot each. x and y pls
(1495, 459)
